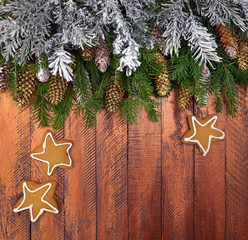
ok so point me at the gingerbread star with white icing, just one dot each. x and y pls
(203, 132)
(53, 153)
(38, 198)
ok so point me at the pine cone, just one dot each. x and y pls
(184, 98)
(113, 96)
(162, 82)
(26, 81)
(73, 64)
(4, 77)
(228, 41)
(158, 35)
(102, 59)
(243, 55)
(56, 89)
(88, 54)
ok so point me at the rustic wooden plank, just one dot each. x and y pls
(49, 226)
(236, 171)
(210, 184)
(144, 179)
(178, 170)
(111, 162)
(14, 167)
(80, 182)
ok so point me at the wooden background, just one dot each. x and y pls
(130, 182)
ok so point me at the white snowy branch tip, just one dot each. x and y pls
(60, 63)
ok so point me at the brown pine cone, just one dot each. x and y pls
(26, 81)
(88, 53)
(114, 95)
(162, 82)
(102, 59)
(56, 89)
(228, 41)
(4, 77)
(158, 36)
(243, 55)
(184, 98)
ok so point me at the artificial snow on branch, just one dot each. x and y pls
(222, 12)
(124, 42)
(172, 20)
(75, 26)
(201, 42)
(25, 28)
(60, 62)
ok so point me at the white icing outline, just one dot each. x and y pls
(19, 209)
(49, 173)
(210, 136)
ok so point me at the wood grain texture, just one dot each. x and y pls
(111, 163)
(178, 170)
(144, 179)
(80, 182)
(210, 184)
(130, 182)
(14, 167)
(237, 171)
(49, 226)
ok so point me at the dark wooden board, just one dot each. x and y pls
(14, 167)
(144, 179)
(178, 170)
(80, 182)
(237, 171)
(130, 182)
(111, 164)
(49, 226)
(210, 183)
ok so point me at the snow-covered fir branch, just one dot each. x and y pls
(25, 28)
(60, 62)
(110, 15)
(172, 20)
(201, 42)
(221, 12)
(75, 26)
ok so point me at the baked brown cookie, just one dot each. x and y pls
(203, 132)
(38, 198)
(53, 153)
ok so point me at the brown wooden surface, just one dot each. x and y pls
(130, 182)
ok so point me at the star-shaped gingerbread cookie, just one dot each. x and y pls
(203, 132)
(53, 153)
(38, 198)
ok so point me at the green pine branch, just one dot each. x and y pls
(140, 90)
(41, 107)
(62, 110)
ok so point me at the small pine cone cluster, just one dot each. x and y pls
(56, 89)
(114, 95)
(162, 81)
(228, 41)
(184, 98)
(102, 59)
(4, 77)
(158, 36)
(243, 55)
(26, 81)
(87, 54)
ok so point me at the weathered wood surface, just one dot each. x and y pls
(130, 182)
